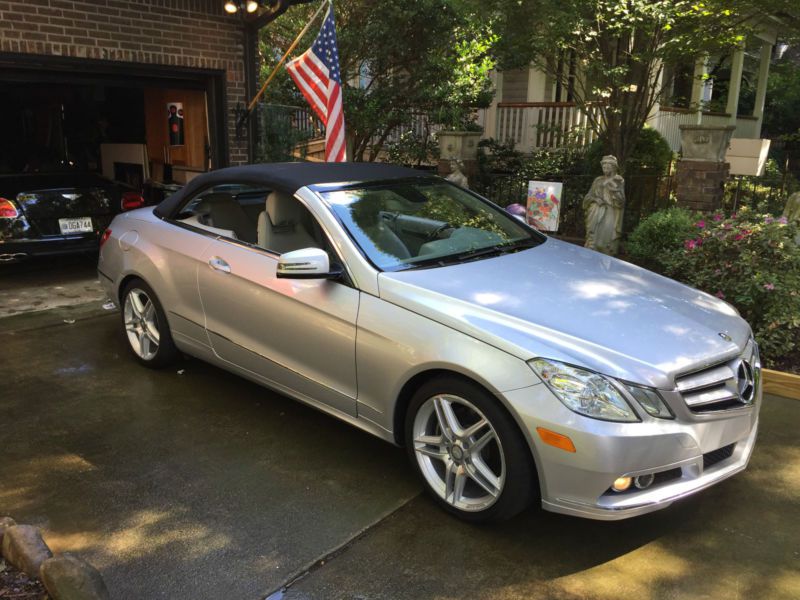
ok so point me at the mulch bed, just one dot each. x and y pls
(16, 585)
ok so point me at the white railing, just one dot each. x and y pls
(747, 127)
(668, 121)
(533, 125)
(420, 124)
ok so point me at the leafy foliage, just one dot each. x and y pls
(621, 47)
(650, 154)
(398, 58)
(656, 240)
(412, 149)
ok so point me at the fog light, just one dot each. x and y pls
(621, 484)
(643, 482)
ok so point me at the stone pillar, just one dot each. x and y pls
(459, 145)
(700, 184)
(702, 172)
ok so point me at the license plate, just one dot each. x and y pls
(80, 225)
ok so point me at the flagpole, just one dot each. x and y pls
(285, 55)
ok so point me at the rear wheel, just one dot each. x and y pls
(146, 327)
(468, 451)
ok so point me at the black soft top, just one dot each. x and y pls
(289, 177)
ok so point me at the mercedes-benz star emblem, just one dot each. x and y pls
(745, 382)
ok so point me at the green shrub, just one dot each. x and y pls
(413, 150)
(660, 236)
(751, 261)
(650, 154)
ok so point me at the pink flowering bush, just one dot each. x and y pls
(747, 259)
(751, 261)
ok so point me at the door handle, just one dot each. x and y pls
(218, 264)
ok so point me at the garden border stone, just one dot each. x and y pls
(65, 577)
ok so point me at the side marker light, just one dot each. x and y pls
(557, 440)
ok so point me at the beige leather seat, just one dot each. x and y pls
(225, 213)
(280, 226)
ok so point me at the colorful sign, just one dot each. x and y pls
(544, 204)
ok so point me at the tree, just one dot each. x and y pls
(400, 58)
(619, 48)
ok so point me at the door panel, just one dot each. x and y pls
(183, 252)
(297, 333)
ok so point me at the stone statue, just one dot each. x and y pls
(792, 212)
(457, 174)
(604, 206)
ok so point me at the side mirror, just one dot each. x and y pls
(307, 263)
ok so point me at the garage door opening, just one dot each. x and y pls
(137, 124)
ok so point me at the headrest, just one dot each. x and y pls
(284, 209)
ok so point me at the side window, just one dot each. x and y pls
(229, 210)
(287, 225)
(272, 220)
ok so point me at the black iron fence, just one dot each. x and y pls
(766, 194)
(645, 193)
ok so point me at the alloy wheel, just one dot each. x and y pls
(459, 452)
(141, 324)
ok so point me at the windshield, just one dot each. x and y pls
(428, 222)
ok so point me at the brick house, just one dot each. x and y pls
(77, 74)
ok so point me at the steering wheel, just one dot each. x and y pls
(434, 234)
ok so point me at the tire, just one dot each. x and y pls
(145, 326)
(478, 467)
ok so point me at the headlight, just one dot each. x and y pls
(585, 392)
(650, 401)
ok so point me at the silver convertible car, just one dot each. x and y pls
(515, 368)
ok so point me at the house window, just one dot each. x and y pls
(515, 85)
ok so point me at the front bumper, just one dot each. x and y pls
(684, 453)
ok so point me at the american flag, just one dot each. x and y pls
(316, 72)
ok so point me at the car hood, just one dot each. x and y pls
(565, 302)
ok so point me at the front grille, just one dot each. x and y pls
(712, 458)
(724, 386)
(665, 476)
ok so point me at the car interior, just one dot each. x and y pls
(272, 220)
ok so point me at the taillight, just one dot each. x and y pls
(131, 200)
(104, 237)
(7, 209)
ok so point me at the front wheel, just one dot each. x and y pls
(146, 327)
(468, 451)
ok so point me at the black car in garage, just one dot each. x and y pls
(58, 213)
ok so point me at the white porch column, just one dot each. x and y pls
(698, 85)
(656, 84)
(490, 118)
(761, 90)
(735, 85)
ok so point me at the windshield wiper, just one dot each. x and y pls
(476, 253)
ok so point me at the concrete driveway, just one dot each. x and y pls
(192, 483)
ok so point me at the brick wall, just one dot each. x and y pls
(701, 184)
(186, 33)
